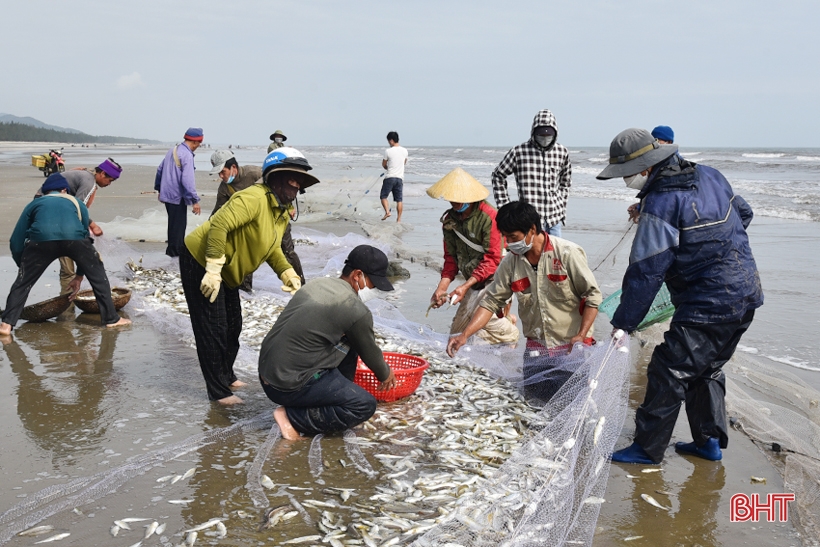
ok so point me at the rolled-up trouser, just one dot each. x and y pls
(290, 253)
(38, 255)
(498, 330)
(177, 223)
(688, 366)
(328, 402)
(67, 274)
(216, 325)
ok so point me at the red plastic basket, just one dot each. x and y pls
(408, 370)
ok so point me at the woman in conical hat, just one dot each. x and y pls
(472, 246)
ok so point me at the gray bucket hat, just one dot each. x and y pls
(632, 151)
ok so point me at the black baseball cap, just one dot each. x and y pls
(373, 262)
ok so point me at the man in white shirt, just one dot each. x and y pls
(394, 159)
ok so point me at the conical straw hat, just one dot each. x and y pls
(458, 186)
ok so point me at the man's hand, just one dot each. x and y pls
(389, 383)
(577, 339)
(74, 286)
(96, 230)
(458, 295)
(634, 211)
(454, 344)
(195, 209)
(439, 298)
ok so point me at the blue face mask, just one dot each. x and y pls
(463, 208)
(230, 180)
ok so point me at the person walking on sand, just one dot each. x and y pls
(543, 173)
(394, 160)
(176, 185)
(308, 359)
(277, 140)
(52, 226)
(472, 246)
(558, 299)
(246, 232)
(83, 184)
(691, 235)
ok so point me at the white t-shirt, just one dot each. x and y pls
(395, 156)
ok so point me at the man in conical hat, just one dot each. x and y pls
(472, 246)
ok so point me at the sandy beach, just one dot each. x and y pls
(78, 399)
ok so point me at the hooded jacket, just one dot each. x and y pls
(543, 175)
(691, 234)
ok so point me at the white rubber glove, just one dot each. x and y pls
(291, 280)
(213, 277)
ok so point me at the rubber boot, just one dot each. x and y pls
(709, 451)
(632, 454)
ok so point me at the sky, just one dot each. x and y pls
(729, 73)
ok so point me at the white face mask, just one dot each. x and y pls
(278, 140)
(520, 247)
(636, 182)
(544, 141)
(365, 292)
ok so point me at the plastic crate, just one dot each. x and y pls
(660, 310)
(408, 370)
(38, 161)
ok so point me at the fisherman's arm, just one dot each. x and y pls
(17, 243)
(500, 174)
(744, 210)
(362, 340)
(491, 241)
(188, 178)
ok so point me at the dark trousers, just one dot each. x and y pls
(216, 326)
(38, 255)
(290, 253)
(688, 366)
(546, 370)
(329, 402)
(177, 222)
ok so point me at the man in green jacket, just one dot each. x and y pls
(245, 232)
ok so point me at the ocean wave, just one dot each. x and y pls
(807, 158)
(792, 362)
(372, 156)
(598, 160)
(467, 162)
(763, 155)
(788, 214)
(585, 170)
(335, 154)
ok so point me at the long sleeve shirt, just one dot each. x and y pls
(48, 218)
(177, 184)
(551, 299)
(480, 229)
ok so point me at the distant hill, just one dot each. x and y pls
(27, 120)
(26, 129)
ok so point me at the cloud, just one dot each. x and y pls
(130, 81)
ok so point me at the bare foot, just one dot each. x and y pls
(238, 384)
(230, 400)
(121, 323)
(5, 329)
(288, 432)
(386, 215)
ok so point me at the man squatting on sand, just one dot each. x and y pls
(216, 257)
(83, 184)
(308, 360)
(558, 298)
(233, 178)
(472, 246)
(692, 235)
(51, 226)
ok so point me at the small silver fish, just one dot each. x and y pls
(58, 537)
(151, 529)
(190, 473)
(204, 525)
(134, 519)
(303, 539)
(122, 524)
(223, 531)
(165, 478)
(592, 500)
(267, 482)
(756, 480)
(190, 539)
(115, 530)
(651, 470)
(180, 502)
(632, 538)
(176, 479)
(653, 502)
(160, 529)
(598, 429)
(37, 530)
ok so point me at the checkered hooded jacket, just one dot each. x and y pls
(543, 175)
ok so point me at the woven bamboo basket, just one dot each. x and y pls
(43, 311)
(85, 299)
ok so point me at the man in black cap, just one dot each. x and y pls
(308, 359)
(692, 235)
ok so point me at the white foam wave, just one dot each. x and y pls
(784, 213)
(763, 155)
(807, 158)
(598, 160)
(372, 156)
(465, 162)
(792, 362)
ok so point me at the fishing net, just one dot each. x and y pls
(660, 310)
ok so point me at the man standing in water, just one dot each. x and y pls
(472, 246)
(83, 184)
(557, 294)
(176, 185)
(394, 160)
(543, 173)
(308, 359)
(692, 235)
(217, 256)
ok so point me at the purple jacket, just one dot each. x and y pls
(177, 184)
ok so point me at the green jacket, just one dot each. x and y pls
(248, 230)
(479, 228)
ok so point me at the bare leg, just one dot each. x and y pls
(230, 400)
(288, 432)
(399, 209)
(386, 207)
(237, 384)
(121, 323)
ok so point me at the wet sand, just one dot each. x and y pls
(78, 399)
